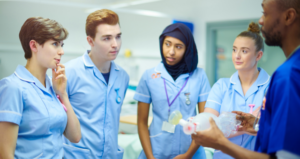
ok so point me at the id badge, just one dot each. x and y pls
(168, 127)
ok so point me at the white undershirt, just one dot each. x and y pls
(282, 154)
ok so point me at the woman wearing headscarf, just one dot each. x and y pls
(174, 84)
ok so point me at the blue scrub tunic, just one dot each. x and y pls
(227, 95)
(41, 118)
(167, 145)
(279, 124)
(97, 105)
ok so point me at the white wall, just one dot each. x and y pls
(221, 10)
(140, 33)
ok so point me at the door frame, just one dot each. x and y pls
(211, 48)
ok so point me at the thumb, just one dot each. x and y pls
(212, 122)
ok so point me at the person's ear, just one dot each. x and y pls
(90, 41)
(290, 16)
(259, 55)
(33, 46)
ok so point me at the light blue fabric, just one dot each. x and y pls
(167, 145)
(39, 114)
(95, 104)
(227, 95)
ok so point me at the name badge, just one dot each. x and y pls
(168, 127)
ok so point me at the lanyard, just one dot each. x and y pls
(175, 96)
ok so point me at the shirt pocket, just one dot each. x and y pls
(76, 152)
(120, 152)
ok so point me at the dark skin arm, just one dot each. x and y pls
(213, 137)
(142, 123)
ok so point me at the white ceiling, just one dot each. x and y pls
(72, 15)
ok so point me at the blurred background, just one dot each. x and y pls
(216, 23)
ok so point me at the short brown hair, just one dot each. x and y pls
(103, 16)
(253, 32)
(40, 29)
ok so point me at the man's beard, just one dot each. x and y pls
(273, 38)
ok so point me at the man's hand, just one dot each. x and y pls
(212, 137)
(247, 122)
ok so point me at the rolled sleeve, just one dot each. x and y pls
(11, 102)
(205, 89)
(215, 97)
(142, 93)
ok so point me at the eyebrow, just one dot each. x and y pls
(175, 44)
(242, 47)
(111, 35)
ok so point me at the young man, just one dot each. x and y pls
(278, 135)
(96, 88)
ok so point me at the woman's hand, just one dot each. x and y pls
(59, 80)
(182, 156)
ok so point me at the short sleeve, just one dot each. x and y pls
(215, 96)
(142, 93)
(279, 119)
(204, 89)
(11, 102)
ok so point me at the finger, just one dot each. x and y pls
(240, 128)
(60, 71)
(61, 65)
(236, 112)
(61, 76)
(196, 135)
(212, 122)
(240, 117)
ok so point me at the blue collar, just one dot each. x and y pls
(160, 68)
(23, 74)
(262, 79)
(89, 63)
